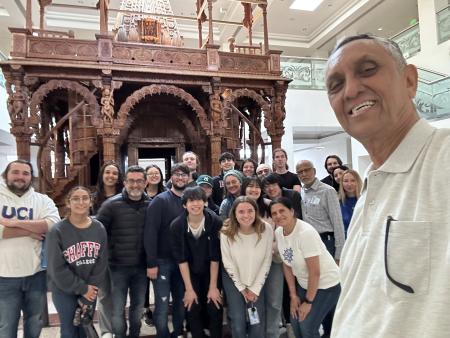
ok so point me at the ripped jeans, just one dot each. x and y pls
(169, 282)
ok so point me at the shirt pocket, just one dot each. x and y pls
(408, 258)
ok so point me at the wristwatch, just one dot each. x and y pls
(307, 301)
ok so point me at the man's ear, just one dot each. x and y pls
(411, 78)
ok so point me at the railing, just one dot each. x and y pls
(2, 79)
(433, 95)
(443, 24)
(408, 40)
(306, 73)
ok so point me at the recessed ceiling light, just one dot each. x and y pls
(380, 28)
(306, 5)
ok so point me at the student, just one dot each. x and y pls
(248, 167)
(233, 182)
(196, 249)
(305, 257)
(246, 246)
(77, 261)
(349, 192)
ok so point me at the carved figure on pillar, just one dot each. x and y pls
(276, 127)
(107, 102)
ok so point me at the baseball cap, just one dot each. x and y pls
(205, 179)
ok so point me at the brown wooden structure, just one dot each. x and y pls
(83, 102)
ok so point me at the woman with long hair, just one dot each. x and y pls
(273, 287)
(349, 192)
(109, 183)
(246, 246)
(77, 261)
(248, 167)
(154, 187)
(306, 259)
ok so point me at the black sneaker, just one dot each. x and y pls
(148, 317)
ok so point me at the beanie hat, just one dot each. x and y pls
(235, 173)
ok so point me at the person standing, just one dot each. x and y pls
(349, 192)
(77, 261)
(233, 182)
(246, 246)
(196, 249)
(124, 218)
(331, 162)
(227, 163)
(306, 259)
(26, 216)
(288, 179)
(395, 269)
(161, 266)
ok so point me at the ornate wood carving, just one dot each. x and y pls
(244, 63)
(275, 127)
(62, 48)
(40, 94)
(151, 90)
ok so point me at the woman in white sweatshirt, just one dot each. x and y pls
(246, 246)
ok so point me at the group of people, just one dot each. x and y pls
(205, 242)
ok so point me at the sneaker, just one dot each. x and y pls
(148, 317)
(290, 331)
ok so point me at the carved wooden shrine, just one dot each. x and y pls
(82, 102)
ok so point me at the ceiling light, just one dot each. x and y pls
(306, 5)
(380, 28)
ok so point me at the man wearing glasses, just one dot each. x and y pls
(123, 217)
(161, 266)
(395, 264)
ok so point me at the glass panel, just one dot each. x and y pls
(305, 73)
(433, 100)
(2, 80)
(443, 24)
(409, 41)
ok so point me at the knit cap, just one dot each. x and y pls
(235, 173)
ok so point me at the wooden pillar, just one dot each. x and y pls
(60, 154)
(216, 149)
(103, 17)
(109, 148)
(41, 16)
(211, 33)
(199, 24)
(132, 154)
(28, 16)
(266, 30)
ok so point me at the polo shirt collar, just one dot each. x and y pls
(315, 185)
(404, 156)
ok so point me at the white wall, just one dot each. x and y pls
(4, 115)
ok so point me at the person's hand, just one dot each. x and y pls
(304, 310)
(215, 297)
(189, 298)
(251, 296)
(152, 273)
(295, 306)
(91, 293)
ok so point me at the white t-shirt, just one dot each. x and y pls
(304, 242)
(247, 260)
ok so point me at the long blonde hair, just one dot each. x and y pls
(342, 194)
(231, 225)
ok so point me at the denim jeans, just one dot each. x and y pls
(237, 311)
(26, 294)
(169, 281)
(325, 300)
(328, 320)
(273, 293)
(134, 279)
(66, 305)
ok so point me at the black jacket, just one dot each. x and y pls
(124, 221)
(218, 189)
(198, 253)
(296, 200)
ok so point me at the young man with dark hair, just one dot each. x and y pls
(123, 217)
(196, 249)
(288, 179)
(331, 162)
(227, 163)
(161, 266)
(25, 219)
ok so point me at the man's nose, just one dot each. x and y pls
(352, 87)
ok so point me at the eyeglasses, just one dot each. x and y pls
(303, 171)
(83, 199)
(154, 175)
(402, 286)
(132, 182)
(180, 175)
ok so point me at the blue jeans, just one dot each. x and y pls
(66, 305)
(26, 294)
(169, 281)
(324, 301)
(134, 279)
(237, 311)
(273, 293)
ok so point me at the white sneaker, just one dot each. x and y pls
(290, 331)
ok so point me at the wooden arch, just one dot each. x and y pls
(154, 89)
(235, 94)
(40, 94)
